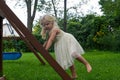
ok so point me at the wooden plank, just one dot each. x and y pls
(25, 32)
(11, 37)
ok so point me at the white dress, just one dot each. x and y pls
(66, 49)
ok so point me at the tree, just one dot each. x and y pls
(30, 14)
(32, 6)
(110, 7)
(54, 7)
(65, 14)
(48, 6)
(111, 10)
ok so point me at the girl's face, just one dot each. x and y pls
(47, 25)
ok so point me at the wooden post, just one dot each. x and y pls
(1, 63)
(1, 37)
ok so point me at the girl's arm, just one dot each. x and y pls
(51, 39)
(44, 45)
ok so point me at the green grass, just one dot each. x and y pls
(106, 66)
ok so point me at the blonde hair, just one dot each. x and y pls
(47, 18)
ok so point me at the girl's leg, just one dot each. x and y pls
(73, 71)
(84, 61)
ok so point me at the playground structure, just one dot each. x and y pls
(29, 39)
(10, 34)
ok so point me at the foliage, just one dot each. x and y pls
(110, 7)
(15, 45)
(88, 30)
(36, 29)
(7, 45)
(111, 10)
(91, 26)
(111, 41)
(92, 32)
(74, 27)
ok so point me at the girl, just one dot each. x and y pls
(66, 46)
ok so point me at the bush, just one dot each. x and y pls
(14, 45)
(111, 42)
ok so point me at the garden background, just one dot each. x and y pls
(98, 35)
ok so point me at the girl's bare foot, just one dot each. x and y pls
(74, 76)
(89, 68)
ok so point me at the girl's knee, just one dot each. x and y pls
(75, 55)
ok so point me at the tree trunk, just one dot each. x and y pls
(30, 15)
(55, 11)
(65, 15)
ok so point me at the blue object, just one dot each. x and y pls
(11, 55)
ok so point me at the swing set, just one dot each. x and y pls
(13, 55)
(29, 39)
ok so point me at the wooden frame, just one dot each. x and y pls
(1, 65)
(29, 38)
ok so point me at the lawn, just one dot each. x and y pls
(106, 66)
